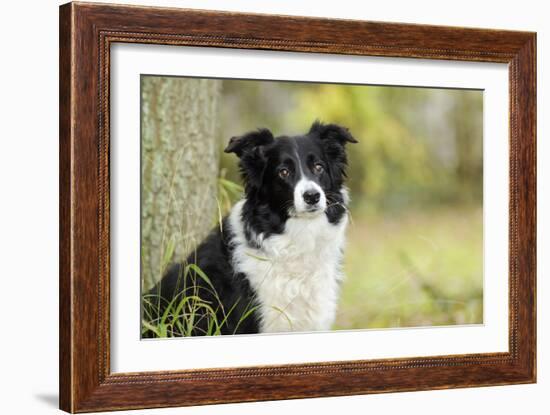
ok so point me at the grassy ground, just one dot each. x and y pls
(419, 269)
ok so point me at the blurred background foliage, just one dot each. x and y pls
(415, 243)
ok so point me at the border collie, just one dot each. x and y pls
(278, 253)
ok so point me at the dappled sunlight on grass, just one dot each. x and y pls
(414, 269)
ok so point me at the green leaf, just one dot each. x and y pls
(244, 317)
(168, 253)
(259, 258)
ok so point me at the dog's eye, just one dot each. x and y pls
(284, 173)
(318, 168)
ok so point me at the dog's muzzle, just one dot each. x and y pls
(309, 197)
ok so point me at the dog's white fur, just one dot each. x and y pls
(295, 275)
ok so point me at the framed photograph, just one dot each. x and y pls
(258, 207)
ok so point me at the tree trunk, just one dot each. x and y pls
(179, 169)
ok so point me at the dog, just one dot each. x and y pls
(276, 258)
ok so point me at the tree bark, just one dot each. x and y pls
(179, 168)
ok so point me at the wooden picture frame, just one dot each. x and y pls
(86, 33)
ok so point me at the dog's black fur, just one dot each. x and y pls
(268, 205)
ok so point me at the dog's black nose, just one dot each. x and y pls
(311, 197)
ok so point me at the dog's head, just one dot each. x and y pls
(299, 176)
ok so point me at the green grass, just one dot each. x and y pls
(189, 313)
(418, 269)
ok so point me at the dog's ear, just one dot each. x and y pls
(333, 140)
(249, 142)
(249, 149)
(332, 132)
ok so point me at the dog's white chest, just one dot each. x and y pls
(295, 275)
